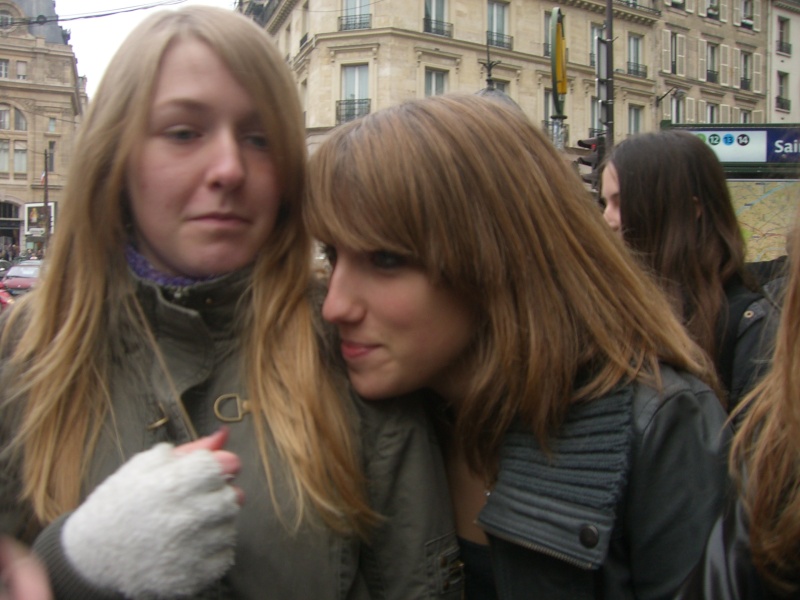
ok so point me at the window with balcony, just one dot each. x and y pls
(745, 116)
(635, 58)
(712, 63)
(673, 52)
(20, 122)
(497, 34)
(595, 31)
(784, 46)
(712, 9)
(782, 101)
(746, 82)
(22, 69)
(355, 100)
(356, 15)
(747, 14)
(435, 21)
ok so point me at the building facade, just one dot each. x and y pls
(42, 99)
(783, 101)
(688, 61)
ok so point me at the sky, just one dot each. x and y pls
(94, 40)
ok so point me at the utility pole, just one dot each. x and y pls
(46, 207)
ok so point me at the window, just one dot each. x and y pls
(746, 82)
(4, 68)
(51, 125)
(501, 86)
(435, 82)
(4, 145)
(712, 63)
(635, 66)
(634, 119)
(51, 156)
(5, 116)
(782, 101)
(595, 31)
(548, 43)
(548, 104)
(20, 122)
(595, 126)
(6, 20)
(784, 45)
(435, 18)
(747, 13)
(712, 9)
(745, 116)
(356, 15)
(496, 35)
(673, 52)
(20, 157)
(677, 108)
(355, 97)
(22, 69)
(712, 113)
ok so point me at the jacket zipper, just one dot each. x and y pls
(536, 547)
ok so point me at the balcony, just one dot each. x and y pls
(592, 59)
(351, 22)
(783, 103)
(712, 12)
(437, 27)
(347, 110)
(746, 84)
(547, 50)
(784, 47)
(712, 76)
(596, 132)
(639, 6)
(747, 21)
(499, 40)
(637, 70)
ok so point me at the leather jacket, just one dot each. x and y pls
(621, 507)
(413, 553)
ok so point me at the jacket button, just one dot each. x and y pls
(589, 536)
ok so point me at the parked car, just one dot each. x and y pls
(6, 299)
(5, 265)
(22, 277)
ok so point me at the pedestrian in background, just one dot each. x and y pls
(177, 299)
(585, 454)
(666, 194)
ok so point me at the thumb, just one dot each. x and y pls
(213, 442)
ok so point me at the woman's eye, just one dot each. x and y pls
(181, 134)
(258, 140)
(387, 260)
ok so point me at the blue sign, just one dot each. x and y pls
(752, 144)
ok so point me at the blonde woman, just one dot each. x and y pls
(175, 301)
(754, 549)
(585, 454)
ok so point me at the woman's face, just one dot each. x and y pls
(610, 190)
(202, 183)
(399, 332)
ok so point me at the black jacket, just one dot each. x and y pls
(622, 506)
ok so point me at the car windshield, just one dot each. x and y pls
(28, 271)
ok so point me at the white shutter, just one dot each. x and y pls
(758, 116)
(701, 111)
(690, 114)
(690, 5)
(724, 113)
(702, 53)
(701, 8)
(723, 10)
(666, 108)
(666, 54)
(724, 64)
(756, 15)
(737, 115)
(681, 55)
(737, 12)
(757, 72)
(737, 61)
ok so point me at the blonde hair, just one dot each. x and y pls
(765, 457)
(59, 341)
(471, 190)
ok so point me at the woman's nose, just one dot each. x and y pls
(226, 168)
(342, 304)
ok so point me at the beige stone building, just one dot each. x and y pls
(689, 61)
(42, 99)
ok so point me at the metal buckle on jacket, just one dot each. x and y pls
(242, 408)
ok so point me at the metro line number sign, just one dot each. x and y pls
(779, 145)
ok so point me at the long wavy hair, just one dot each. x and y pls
(677, 216)
(473, 192)
(765, 457)
(59, 340)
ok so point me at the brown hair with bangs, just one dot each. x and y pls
(472, 191)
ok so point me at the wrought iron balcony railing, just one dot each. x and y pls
(348, 23)
(637, 70)
(347, 110)
(783, 103)
(784, 47)
(746, 84)
(437, 27)
(712, 76)
(499, 40)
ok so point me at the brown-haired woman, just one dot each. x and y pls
(666, 194)
(585, 454)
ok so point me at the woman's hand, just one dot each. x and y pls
(23, 577)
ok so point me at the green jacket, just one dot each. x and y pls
(413, 553)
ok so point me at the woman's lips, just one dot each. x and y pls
(355, 350)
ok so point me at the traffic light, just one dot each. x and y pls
(597, 149)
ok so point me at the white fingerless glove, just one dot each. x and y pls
(162, 526)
